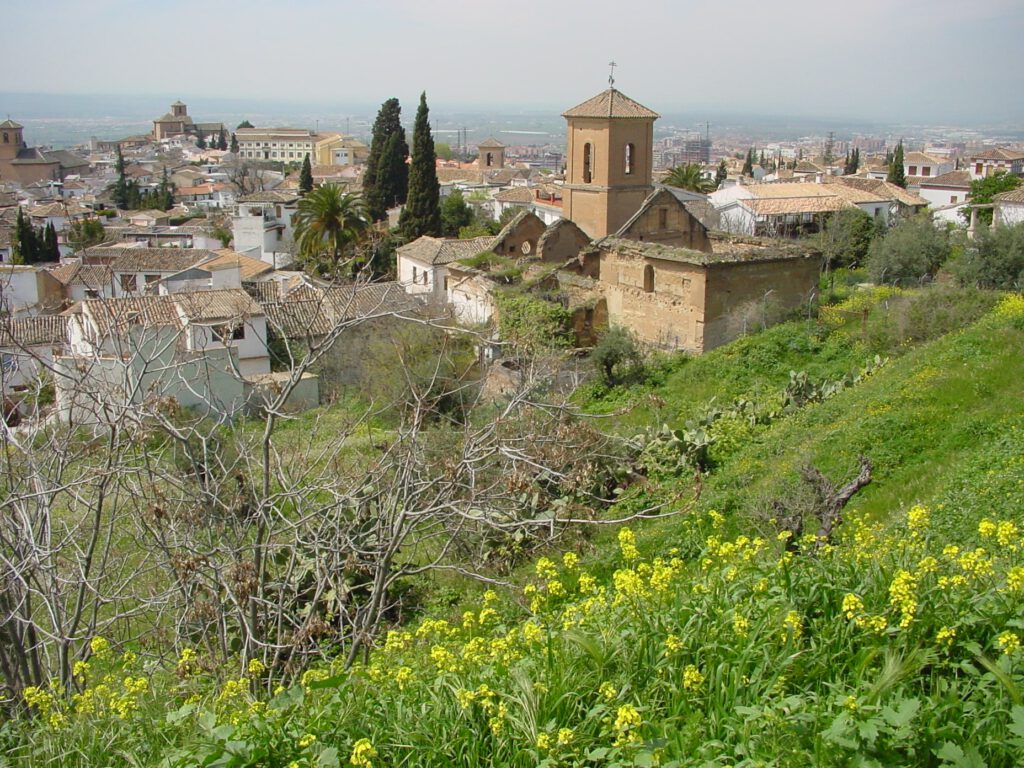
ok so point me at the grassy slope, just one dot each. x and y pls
(941, 422)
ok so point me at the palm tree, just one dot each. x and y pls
(689, 177)
(328, 221)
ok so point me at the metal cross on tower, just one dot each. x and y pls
(611, 74)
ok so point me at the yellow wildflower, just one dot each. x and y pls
(565, 737)
(1015, 579)
(306, 740)
(403, 676)
(903, 596)
(853, 606)
(100, 647)
(917, 520)
(673, 644)
(1008, 642)
(256, 667)
(532, 632)
(793, 624)
(627, 720)
(362, 754)
(546, 569)
(570, 560)
(692, 678)
(627, 544)
(543, 741)
(607, 691)
(740, 625)
(945, 636)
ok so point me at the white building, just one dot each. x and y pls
(423, 263)
(27, 349)
(27, 290)
(204, 350)
(1008, 207)
(947, 195)
(991, 161)
(918, 165)
(264, 226)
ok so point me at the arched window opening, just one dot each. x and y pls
(7, 139)
(649, 279)
(586, 163)
(490, 159)
(629, 158)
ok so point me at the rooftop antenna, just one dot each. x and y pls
(611, 74)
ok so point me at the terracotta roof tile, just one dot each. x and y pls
(611, 103)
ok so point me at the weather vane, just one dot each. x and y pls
(611, 74)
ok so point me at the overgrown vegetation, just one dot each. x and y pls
(711, 637)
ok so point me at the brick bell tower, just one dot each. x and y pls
(609, 160)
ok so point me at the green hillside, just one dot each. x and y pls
(709, 638)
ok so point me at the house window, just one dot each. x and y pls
(630, 149)
(229, 332)
(663, 218)
(586, 163)
(977, 169)
(649, 279)
(414, 274)
(150, 279)
(128, 284)
(926, 170)
(912, 171)
(952, 198)
(426, 276)
(92, 293)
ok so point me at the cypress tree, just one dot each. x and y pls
(748, 164)
(52, 249)
(165, 193)
(234, 144)
(201, 140)
(897, 175)
(721, 174)
(120, 193)
(422, 212)
(386, 179)
(222, 140)
(306, 176)
(22, 240)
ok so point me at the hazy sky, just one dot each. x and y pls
(899, 60)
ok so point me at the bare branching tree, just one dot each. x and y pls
(242, 527)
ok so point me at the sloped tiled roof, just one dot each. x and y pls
(491, 143)
(515, 195)
(270, 196)
(8, 123)
(74, 272)
(917, 158)
(154, 311)
(120, 313)
(1013, 196)
(725, 252)
(439, 251)
(58, 209)
(796, 205)
(312, 311)
(153, 259)
(248, 267)
(998, 153)
(959, 179)
(33, 331)
(611, 103)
